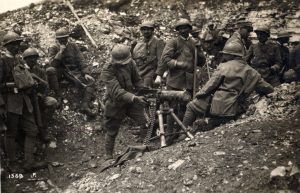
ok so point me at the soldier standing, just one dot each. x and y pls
(147, 53)
(68, 64)
(121, 77)
(231, 83)
(265, 57)
(178, 58)
(15, 104)
(47, 104)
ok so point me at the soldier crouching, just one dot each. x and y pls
(223, 96)
(121, 77)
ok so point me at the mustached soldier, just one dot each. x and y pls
(121, 77)
(68, 64)
(15, 104)
(265, 57)
(46, 103)
(147, 53)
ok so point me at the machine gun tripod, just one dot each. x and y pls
(163, 97)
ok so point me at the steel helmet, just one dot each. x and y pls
(11, 37)
(183, 22)
(62, 33)
(148, 24)
(233, 48)
(283, 34)
(263, 29)
(120, 54)
(30, 52)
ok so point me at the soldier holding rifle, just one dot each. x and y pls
(16, 108)
(179, 58)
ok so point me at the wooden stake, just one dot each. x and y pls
(82, 25)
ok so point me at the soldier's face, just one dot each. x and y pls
(63, 41)
(262, 36)
(31, 61)
(13, 47)
(147, 32)
(245, 32)
(184, 31)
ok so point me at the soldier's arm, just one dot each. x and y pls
(168, 54)
(54, 56)
(212, 84)
(113, 87)
(277, 60)
(136, 78)
(160, 67)
(262, 87)
(249, 54)
(201, 56)
(80, 60)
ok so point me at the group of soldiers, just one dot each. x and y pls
(26, 85)
(242, 67)
(26, 104)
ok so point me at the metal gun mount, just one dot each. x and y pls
(163, 97)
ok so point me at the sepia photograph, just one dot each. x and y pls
(160, 96)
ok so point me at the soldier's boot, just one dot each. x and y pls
(85, 109)
(54, 84)
(11, 149)
(109, 146)
(30, 164)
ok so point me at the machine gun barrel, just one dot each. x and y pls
(165, 95)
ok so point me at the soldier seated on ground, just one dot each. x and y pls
(16, 108)
(223, 96)
(68, 64)
(121, 77)
(47, 104)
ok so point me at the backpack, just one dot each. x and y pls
(22, 77)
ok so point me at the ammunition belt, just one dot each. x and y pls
(152, 113)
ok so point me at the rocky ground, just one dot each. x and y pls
(260, 152)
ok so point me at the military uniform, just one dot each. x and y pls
(70, 62)
(295, 60)
(47, 104)
(147, 57)
(120, 81)
(180, 50)
(262, 57)
(19, 109)
(178, 58)
(230, 84)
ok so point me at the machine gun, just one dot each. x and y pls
(163, 97)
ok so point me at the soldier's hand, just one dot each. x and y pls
(2, 112)
(275, 68)
(89, 78)
(182, 65)
(140, 100)
(157, 80)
